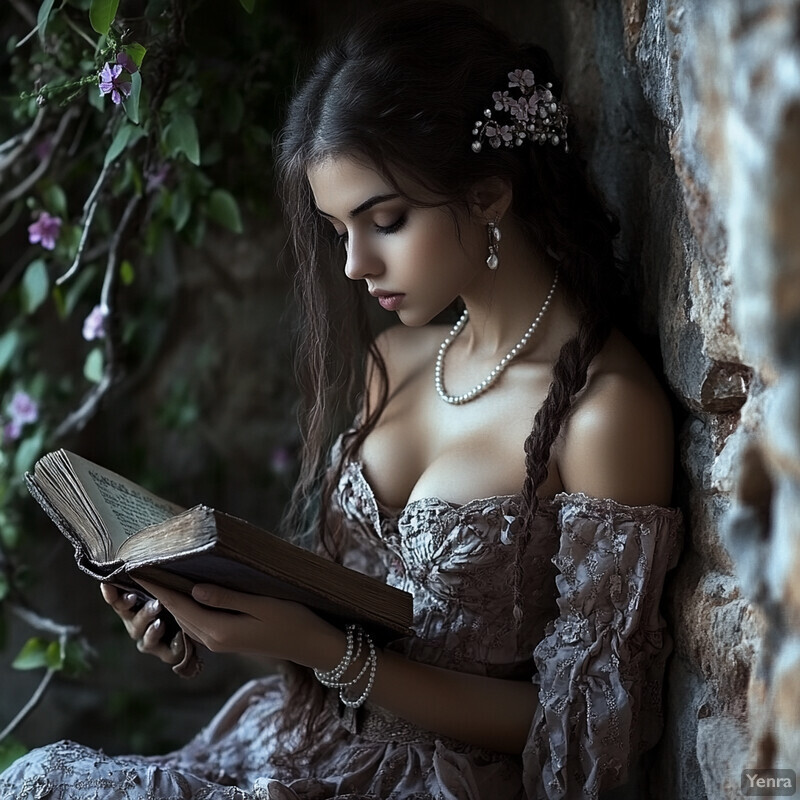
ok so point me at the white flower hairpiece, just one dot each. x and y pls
(532, 114)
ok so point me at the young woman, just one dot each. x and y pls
(512, 471)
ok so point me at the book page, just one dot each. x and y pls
(125, 506)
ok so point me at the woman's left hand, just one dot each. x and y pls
(227, 621)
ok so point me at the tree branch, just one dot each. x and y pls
(78, 418)
(45, 625)
(25, 12)
(24, 140)
(12, 194)
(113, 253)
(33, 701)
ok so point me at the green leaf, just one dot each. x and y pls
(28, 451)
(131, 105)
(4, 586)
(181, 136)
(9, 344)
(248, 5)
(96, 99)
(126, 273)
(223, 209)
(55, 200)
(136, 51)
(76, 657)
(102, 13)
(35, 285)
(33, 654)
(196, 231)
(118, 143)
(9, 534)
(181, 208)
(10, 751)
(43, 17)
(54, 655)
(93, 366)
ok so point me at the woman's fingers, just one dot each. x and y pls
(151, 638)
(177, 647)
(122, 602)
(110, 593)
(139, 623)
(153, 643)
(144, 625)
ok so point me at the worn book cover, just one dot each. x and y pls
(121, 531)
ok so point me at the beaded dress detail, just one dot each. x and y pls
(592, 641)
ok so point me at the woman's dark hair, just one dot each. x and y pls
(403, 90)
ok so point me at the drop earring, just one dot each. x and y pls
(493, 260)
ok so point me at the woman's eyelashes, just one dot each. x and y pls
(385, 230)
(382, 230)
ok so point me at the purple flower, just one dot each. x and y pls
(127, 63)
(111, 83)
(45, 231)
(522, 78)
(12, 431)
(23, 408)
(280, 460)
(43, 148)
(157, 178)
(519, 109)
(94, 326)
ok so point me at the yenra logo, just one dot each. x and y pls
(769, 782)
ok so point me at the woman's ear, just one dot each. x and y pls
(490, 199)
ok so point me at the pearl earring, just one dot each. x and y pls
(493, 232)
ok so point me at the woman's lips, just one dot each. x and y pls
(391, 302)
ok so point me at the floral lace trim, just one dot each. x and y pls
(601, 507)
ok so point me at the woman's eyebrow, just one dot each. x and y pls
(365, 206)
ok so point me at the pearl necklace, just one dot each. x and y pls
(489, 380)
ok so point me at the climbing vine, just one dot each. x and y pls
(127, 127)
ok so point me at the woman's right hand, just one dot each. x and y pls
(145, 624)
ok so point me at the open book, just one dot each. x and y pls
(121, 531)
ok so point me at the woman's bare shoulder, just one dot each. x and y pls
(619, 440)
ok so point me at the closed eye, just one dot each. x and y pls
(385, 230)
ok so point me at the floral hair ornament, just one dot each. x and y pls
(528, 111)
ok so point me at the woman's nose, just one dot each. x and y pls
(361, 261)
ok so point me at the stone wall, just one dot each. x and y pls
(693, 109)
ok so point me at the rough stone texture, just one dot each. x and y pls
(694, 112)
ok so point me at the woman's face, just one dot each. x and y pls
(414, 261)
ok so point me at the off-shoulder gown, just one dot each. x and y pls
(592, 641)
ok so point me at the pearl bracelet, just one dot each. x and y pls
(332, 678)
(372, 661)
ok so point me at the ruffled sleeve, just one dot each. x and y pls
(600, 663)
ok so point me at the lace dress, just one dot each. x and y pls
(593, 642)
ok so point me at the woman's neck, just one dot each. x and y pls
(503, 303)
